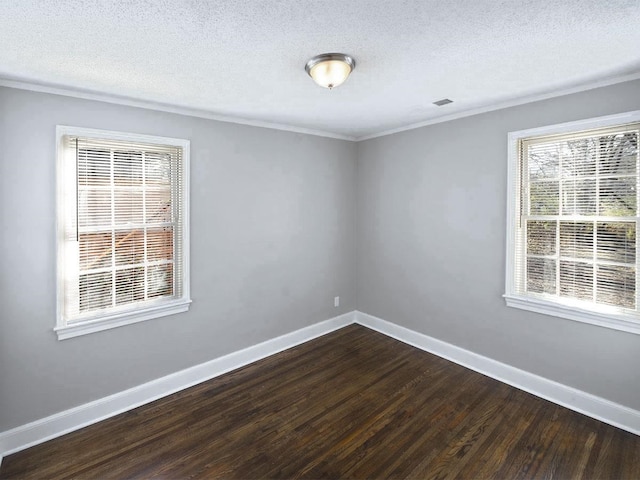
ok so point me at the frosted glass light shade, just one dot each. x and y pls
(330, 70)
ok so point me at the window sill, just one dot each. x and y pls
(609, 320)
(121, 319)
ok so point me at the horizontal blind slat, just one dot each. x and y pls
(579, 213)
(129, 209)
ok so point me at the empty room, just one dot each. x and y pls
(252, 239)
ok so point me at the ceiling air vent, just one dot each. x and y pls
(442, 102)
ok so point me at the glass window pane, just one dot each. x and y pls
(619, 154)
(95, 291)
(160, 244)
(95, 250)
(618, 196)
(543, 161)
(541, 237)
(576, 280)
(158, 169)
(576, 239)
(94, 208)
(541, 275)
(579, 157)
(129, 285)
(160, 278)
(543, 198)
(127, 168)
(94, 167)
(129, 247)
(617, 286)
(128, 207)
(617, 241)
(579, 197)
(158, 205)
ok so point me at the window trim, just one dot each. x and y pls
(595, 316)
(133, 314)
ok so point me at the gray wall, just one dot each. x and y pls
(431, 231)
(272, 242)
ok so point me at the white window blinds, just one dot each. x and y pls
(575, 237)
(124, 222)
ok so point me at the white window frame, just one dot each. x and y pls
(66, 179)
(601, 315)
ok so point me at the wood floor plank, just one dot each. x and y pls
(351, 404)
(401, 413)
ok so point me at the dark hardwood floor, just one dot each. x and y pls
(351, 404)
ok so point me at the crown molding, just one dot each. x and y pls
(163, 107)
(193, 112)
(510, 103)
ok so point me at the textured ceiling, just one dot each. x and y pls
(245, 58)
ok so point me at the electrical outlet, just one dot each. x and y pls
(336, 301)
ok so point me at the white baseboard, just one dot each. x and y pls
(33, 433)
(591, 405)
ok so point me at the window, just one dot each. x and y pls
(573, 221)
(122, 229)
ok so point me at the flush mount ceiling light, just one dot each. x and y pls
(330, 70)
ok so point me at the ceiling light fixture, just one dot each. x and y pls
(330, 70)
